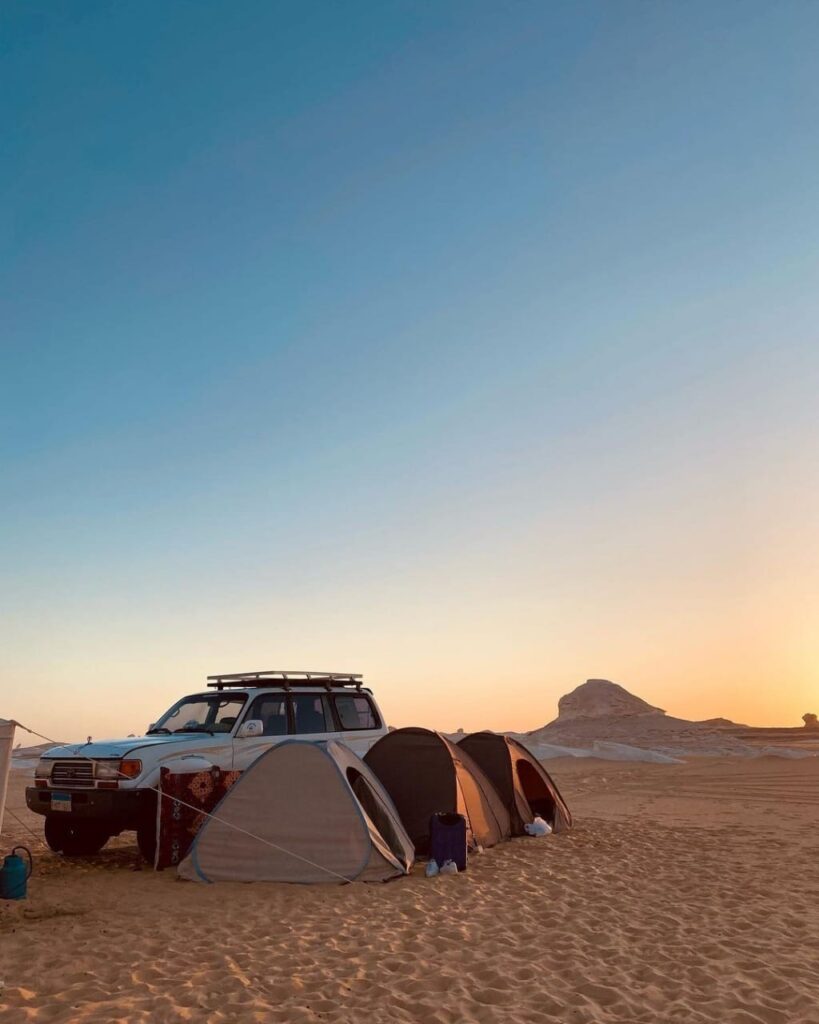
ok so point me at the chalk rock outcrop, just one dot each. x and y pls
(602, 712)
(600, 698)
(602, 719)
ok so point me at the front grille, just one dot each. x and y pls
(72, 773)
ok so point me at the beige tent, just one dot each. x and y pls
(524, 784)
(302, 812)
(425, 774)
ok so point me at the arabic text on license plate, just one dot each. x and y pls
(60, 801)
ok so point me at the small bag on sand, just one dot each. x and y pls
(539, 827)
(449, 868)
(447, 839)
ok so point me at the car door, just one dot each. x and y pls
(311, 717)
(271, 709)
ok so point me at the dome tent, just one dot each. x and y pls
(425, 774)
(302, 812)
(524, 784)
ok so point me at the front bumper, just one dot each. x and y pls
(118, 808)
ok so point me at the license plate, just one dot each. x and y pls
(60, 801)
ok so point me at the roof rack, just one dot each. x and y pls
(329, 680)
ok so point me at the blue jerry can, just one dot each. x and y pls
(14, 875)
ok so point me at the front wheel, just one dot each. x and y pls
(75, 838)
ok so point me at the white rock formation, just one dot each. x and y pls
(598, 698)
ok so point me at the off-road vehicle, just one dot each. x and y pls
(96, 790)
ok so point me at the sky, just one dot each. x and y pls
(470, 346)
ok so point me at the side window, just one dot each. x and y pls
(271, 709)
(225, 713)
(310, 713)
(356, 712)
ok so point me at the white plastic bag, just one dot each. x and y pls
(432, 868)
(539, 827)
(449, 867)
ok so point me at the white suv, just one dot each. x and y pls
(96, 790)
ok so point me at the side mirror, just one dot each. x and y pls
(252, 727)
(150, 727)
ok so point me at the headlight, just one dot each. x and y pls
(43, 769)
(116, 770)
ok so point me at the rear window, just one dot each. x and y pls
(356, 712)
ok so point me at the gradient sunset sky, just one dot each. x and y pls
(472, 346)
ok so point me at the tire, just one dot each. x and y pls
(75, 838)
(146, 840)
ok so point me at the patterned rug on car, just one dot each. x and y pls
(186, 799)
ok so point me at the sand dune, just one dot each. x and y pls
(686, 893)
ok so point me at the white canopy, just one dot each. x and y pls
(6, 743)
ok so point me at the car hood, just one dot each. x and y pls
(119, 748)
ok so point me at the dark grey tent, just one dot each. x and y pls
(525, 786)
(424, 774)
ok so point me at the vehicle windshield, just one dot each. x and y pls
(210, 713)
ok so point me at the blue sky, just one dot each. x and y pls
(449, 342)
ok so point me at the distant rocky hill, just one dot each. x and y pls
(603, 712)
(598, 698)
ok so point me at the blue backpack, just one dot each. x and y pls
(447, 839)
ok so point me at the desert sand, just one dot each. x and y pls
(686, 893)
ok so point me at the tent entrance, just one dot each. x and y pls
(375, 811)
(535, 790)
